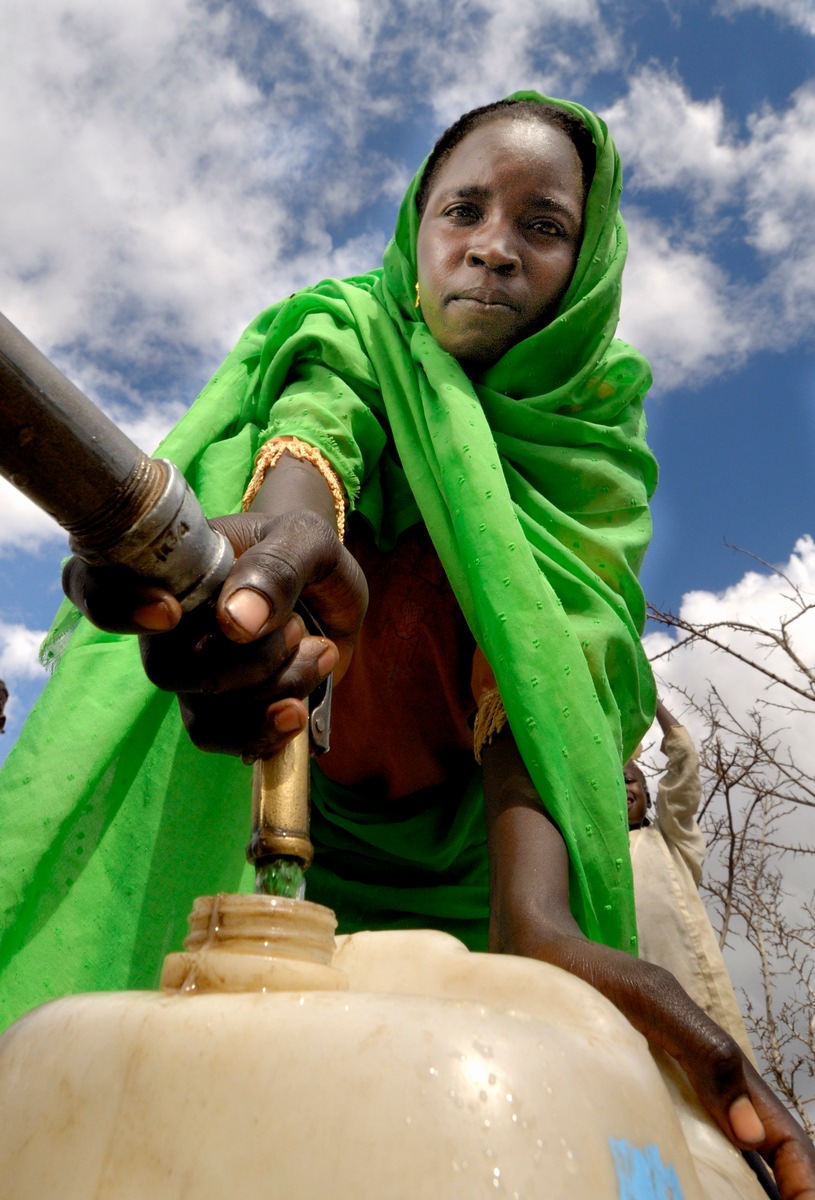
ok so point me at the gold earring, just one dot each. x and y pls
(418, 299)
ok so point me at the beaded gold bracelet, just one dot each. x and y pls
(270, 454)
(489, 720)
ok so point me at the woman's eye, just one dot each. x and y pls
(547, 226)
(461, 212)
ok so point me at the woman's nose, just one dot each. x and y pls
(495, 250)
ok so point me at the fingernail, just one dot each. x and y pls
(327, 660)
(293, 633)
(745, 1122)
(248, 610)
(155, 617)
(288, 719)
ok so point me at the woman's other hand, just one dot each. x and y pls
(242, 666)
(529, 915)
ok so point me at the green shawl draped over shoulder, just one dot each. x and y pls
(533, 482)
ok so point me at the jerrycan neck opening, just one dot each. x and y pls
(255, 943)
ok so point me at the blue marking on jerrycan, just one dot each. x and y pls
(641, 1174)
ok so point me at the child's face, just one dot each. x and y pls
(635, 794)
(499, 238)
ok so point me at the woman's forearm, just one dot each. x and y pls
(294, 484)
(529, 907)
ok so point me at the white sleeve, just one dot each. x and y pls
(678, 797)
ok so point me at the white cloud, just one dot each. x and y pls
(780, 207)
(762, 599)
(19, 650)
(679, 308)
(148, 183)
(795, 12)
(751, 193)
(669, 141)
(497, 46)
(24, 526)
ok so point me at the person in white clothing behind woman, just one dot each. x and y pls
(667, 854)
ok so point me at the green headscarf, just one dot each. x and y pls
(533, 482)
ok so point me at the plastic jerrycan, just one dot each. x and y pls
(277, 1064)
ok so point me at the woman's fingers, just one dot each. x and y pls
(710, 1057)
(197, 657)
(248, 723)
(745, 1123)
(785, 1145)
(118, 601)
(281, 559)
(242, 664)
(731, 1090)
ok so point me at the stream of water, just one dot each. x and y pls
(281, 877)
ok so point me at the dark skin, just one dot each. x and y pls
(635, 794)
(242, 679)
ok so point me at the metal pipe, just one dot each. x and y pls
(117, 505)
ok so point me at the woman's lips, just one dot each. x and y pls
(482, 300)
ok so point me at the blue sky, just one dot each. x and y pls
(172, 167)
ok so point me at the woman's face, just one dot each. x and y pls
(499, 238)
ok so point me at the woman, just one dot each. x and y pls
(471, 395)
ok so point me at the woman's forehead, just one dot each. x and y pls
(544, 153)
